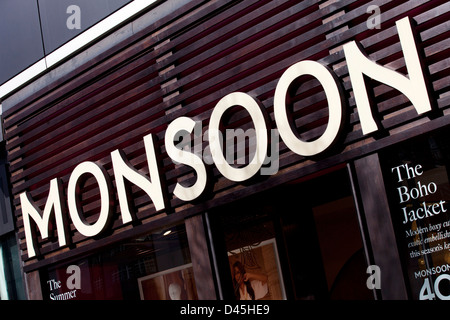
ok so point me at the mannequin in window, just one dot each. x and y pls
(174, 291)
(248, 286)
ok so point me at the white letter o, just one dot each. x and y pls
(89, 230)
(334, 99)
(214, 136)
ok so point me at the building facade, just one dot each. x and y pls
(238, 150)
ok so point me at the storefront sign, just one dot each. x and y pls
(413, 86)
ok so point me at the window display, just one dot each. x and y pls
(154, 266)
(173, 284)
(294, 247)
(417, 178)
(249, 240)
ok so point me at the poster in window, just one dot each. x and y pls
(255, 271)
(173, 284)
(417, 176)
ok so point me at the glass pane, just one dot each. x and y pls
(300, 240)
(342, 252)
(3, 291)
(11, 283)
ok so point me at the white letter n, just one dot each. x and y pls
(124, 170)
(413, 86)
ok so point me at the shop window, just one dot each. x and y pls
(11, 283)
(301, 240)
(416, 175)
(155, 266)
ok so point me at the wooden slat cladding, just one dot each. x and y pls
(183, 67)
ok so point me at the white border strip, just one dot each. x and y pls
(22, 77)
(75, 44)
